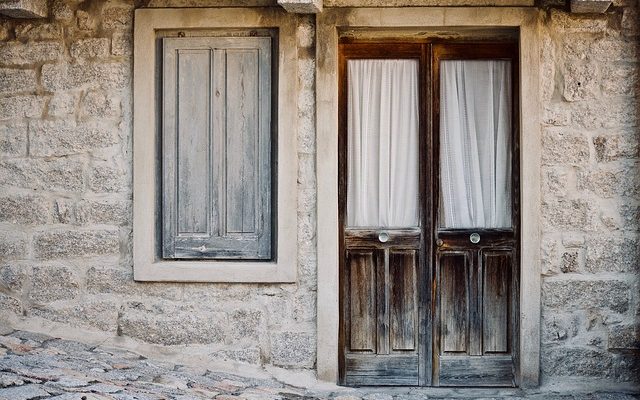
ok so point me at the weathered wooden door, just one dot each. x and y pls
(422, 301)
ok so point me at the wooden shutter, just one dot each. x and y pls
(216, 148)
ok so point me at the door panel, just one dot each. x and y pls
(496, 301)
(454, 302)
(403, 299)
(362, 267)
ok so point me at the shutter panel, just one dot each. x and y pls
(216, 148)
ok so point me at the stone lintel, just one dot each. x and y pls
(301, 6)
(24, 8)
(590, 6)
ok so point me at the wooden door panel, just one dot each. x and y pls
(496, 297)
(476, 371)
(392, 370)
(403, 304)
(454, 301)
(361, 270)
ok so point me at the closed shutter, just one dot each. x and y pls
(216, 148)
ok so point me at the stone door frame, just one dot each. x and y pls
(329, 24)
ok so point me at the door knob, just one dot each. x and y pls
(474, 237)
(439, 242)
(383, 237)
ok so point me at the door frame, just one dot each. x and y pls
(333, 22)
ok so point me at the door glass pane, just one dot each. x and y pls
(382, 143)
(475, 144)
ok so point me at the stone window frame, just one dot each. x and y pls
(147, 265)
(329, 24)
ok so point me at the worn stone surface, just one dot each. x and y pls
(581, 294)
(75, 243)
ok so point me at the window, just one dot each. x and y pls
(214, 146)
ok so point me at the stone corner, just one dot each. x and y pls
(24, 8)
(589, 6)
(301, 6)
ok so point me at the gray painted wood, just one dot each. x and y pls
(216, 128)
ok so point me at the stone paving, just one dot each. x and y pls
(35, 366)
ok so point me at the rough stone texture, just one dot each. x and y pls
(48, 138)
(27, 210)
(75, 243)
(53, 283)
(573, 294)
(293, 349)
(24, 8)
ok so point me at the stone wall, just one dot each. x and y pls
(65, 199)
(591, 195)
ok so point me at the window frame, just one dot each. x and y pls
(147, 207)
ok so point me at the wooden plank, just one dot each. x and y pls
(383, 303)
(390, 370)
(193, 105)
(454, 302)
(362, 300)
(496, 299)
(476, 371)
(241, 139)
(403, 293)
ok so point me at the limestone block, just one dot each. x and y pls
(584, 294)
(30, 53)
(612, 254)
(75, 243)
(111, 75)
(59, 138)
(13, 138)
(17, 80)
(590, 6)
(301, 6)
(30, 106)
(580, 361)
(293, 349)
(13, 246)
(59, 174)
(51, 283)
(166, 324)
(24, 8)
(25, 210)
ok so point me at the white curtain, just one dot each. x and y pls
(382, 135)
(475, 141)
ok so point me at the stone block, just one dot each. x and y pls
(13, 277)
(619, 79)
(306, 171)
(246, 324)
(22, 106)
(62, 137)
(556, 114)
(119, 281)
(105, 212)
(556, 181)
(293, 349)
(24, 209)
(109, 75)
(10, 304)
(615, 147)
(122, 43)
(86, 21)
(108, 178)
(581, 81)
(39, 31)
(583, 294)
(13, 246)
(306, 32)
(51, 283)
(248, 355)
(562, 21)
(609, 181)
(13, 139)
(301, 6)
(613, 254)
(571, 261)
(171, 324)
(563, 215)
(557, 328)
(90, 48)
(99, 104)
(58, 174)
(561, 146)
(117, 16)
(62, 104)
(614, 49)
(17, 80)
(630, 20)
(76, 243)
(576, 361)
(18, 53)
(24, 8)
(61, 11)
(590, 6)
(100, 314)
(549, 256)
(624, 337)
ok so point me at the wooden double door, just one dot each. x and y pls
(429, 214)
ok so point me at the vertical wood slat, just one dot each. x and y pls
(496, 296)
(362, 267)
(454, 303)
(383, 304)
(193, 122)
(474, 286)
(402, 307)
(217, 148)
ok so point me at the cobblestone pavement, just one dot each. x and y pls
(35, 366)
